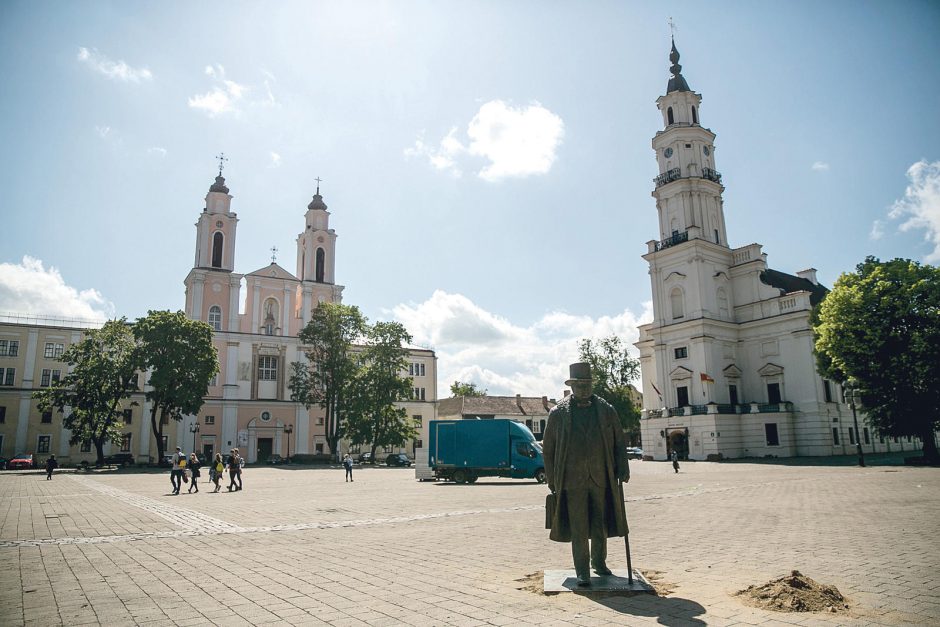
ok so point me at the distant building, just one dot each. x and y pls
(247, 405)
(727, 362)
(532, 411)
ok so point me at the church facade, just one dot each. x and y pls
(247, 405)
(727, 363)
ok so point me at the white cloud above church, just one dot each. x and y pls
(114, 70)
(476, 345)
(920, 206)
(513, 142)
(30, 288)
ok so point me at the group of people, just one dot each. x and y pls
(178, 473)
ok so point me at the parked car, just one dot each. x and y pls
(365, 458)
(274, 459)
(634, 452)
(22, 460)
(120, 459)
(397, 459)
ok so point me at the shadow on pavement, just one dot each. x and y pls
(673, 611)
(871, 459)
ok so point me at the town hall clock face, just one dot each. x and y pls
(668, 152)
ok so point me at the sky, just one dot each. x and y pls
(487, 164)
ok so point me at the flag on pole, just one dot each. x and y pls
(706, 378)
(657, 390)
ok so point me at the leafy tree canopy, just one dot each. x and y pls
(459, 388)
(102, 366)
(613, 369)
(181, 359)
(880, 325)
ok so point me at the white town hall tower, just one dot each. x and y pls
(727, 362)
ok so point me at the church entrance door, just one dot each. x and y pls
(265, 448)
(679, 442)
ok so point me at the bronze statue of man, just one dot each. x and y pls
(585, 456)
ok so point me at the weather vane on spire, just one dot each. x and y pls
(273, 254)
(318, 180)
(672, 27)
(222, 159)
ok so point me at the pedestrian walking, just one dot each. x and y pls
(234, 471)
(51, 464)
(675, 460)
(348, 465)
(176, 472)
(194, 468)
(215, 472)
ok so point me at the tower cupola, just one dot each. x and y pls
(677, 82)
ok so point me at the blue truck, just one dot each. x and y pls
(464, 450)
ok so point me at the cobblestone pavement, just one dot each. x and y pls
(303, 547)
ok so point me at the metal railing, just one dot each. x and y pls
(667, 177)
(711, 175)
(678, 238)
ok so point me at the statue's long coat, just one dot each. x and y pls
(555, 450)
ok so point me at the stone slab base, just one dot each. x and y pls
(567, 581)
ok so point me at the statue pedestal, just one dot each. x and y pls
(567, 581)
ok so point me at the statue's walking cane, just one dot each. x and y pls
(626, 535)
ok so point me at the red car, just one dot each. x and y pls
(22, 460)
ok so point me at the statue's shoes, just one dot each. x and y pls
(603, 571)
(584, 582)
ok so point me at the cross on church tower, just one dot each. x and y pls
(672, 27)
(318, 180)
(222, 159)
(273, 254)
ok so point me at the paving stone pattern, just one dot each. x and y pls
(303, 547)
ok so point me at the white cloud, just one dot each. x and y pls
(877, 230)
(275, 160)
(156, 150)
(103, 131)
(116, 70)
(515, 142)
(223, 97)
(475, 345)
(28, 287)
(921, 205)
(820, 166)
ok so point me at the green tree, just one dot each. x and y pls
(331, 366)
(373, 416)
(459, 388)
(179, 354)
(613, 370)
(91, 395)
(881, 326)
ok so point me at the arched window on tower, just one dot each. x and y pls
(669, 116)
(675, 299)
(694, 115)
(215, 317)
(217, 240)
(303, 264)
(321, 264)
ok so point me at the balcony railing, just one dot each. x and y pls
(678, 238)
(667, 177)
(726, 408)
(711, 175)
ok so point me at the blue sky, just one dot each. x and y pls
(487, 164)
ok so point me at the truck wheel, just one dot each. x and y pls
(460, 476)
(472, 479)
(540, 475)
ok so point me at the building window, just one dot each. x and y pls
(866, 435)
(128, 416)
(214, 381)
(166, 443)
(418, 421)
(217, 240)
(419, 444)
(669, 116)
(675, 299)
(53, 350)
(827, 390)
(694, 116)
(416, 369)
(215, 317)
(267, 368)
(851, 435)
(126, 443)
(209, 420)
(86, 446)
(682, 395)
(43, 444)
(773, 393)
(733, 394)
(46, 417)
(320, 421)
(770, 430)
(9, 348)
(318, 447)
(49, 375)
(418, 394)
(3, 414)
(717, 239)
(835, 436)
(7, 375)
(321, 263)
(682, 352)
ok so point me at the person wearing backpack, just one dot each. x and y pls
(176, 473)
(194, 467)
(234, 470)
(215, 473)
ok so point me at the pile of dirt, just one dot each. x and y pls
(795, 593)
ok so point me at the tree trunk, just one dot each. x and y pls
(99, 450)
(931, 454)
(157, 428)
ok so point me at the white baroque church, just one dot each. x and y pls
(727, 363)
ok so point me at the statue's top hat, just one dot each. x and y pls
(580, 371)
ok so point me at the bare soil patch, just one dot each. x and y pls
(794, 593)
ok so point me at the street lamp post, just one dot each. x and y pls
(853, 396)
(194, 429)
(288, 430)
